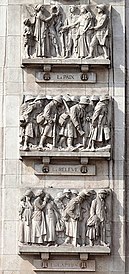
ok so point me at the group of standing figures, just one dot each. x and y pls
(78, 34)
(65, 123)
(72, 217)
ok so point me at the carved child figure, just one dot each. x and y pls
(28, 38)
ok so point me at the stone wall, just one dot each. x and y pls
(17, 176)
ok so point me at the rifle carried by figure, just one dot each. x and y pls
(54, 131)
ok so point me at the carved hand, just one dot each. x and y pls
(81, 132)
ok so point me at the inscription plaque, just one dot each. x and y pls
(73, 77)
(67, 265)
(88, 170)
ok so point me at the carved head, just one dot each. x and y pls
(40, 99)
(54, 9)
(39, 7)
(84, 101)
(82, 196)
(103, 193)
(101, 8)
(67, 192)
(74, 193)
(40, 193)
(105, 98)
(72, 9)
(57, 99)
(27, 22)
(75, 99)
(29, 98)
(29, 193)
(84, 9)
(94, 98)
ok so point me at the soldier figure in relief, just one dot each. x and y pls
(49, 120)
(100, 131)
(77, 116)
(97, 221)
(101, 33)
(28, 125)
(65, 122)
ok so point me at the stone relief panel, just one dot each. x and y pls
(65, 123)
(77, 31)
(65, 217)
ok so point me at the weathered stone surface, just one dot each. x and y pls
(111, 169)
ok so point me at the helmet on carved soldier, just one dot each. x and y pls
(84, 100)
(94, 98)
(40, 97)
(29, 98)
(101, 7)
(104, 97)
(66, 191)
(58, 99)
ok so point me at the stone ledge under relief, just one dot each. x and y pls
(65, 62)
(56, 154)
(97, 250)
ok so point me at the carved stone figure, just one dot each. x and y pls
(85, 214)
(38, 218)
(86, 120)
(77, 117)
(25, 215)
(70, 35)
(40, 31)
(100, 34)
(65, 122)
(66, 197)
(97, 221)
(27, 123)
(60, 225)
(71, 216)
(100, 131)
(50, 119)
(54, 26)
(52, 215)
(28, 38)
